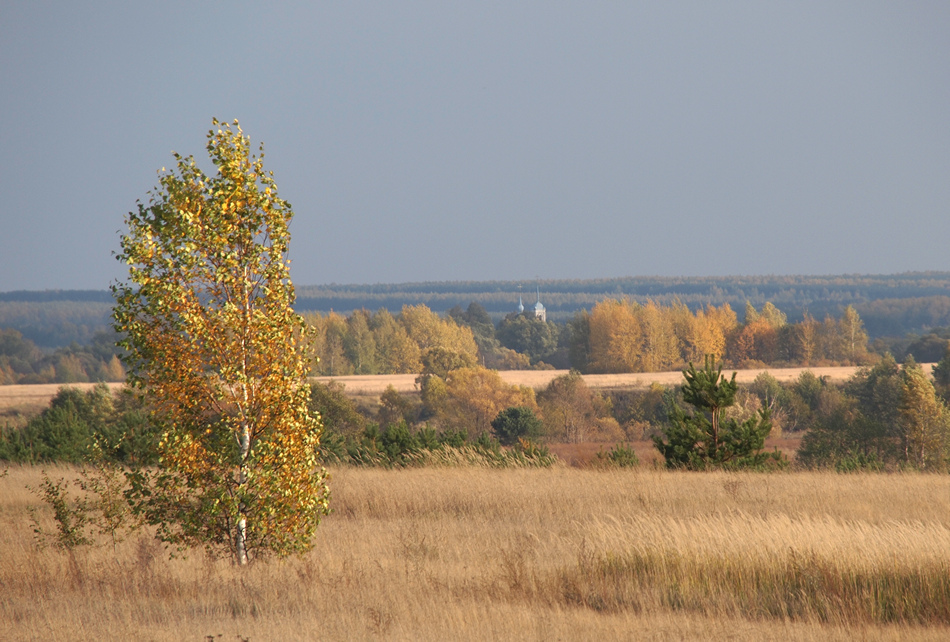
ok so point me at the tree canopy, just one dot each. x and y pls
(217, 350)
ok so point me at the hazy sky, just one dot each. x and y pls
(511, 140)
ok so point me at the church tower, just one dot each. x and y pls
(539, 311)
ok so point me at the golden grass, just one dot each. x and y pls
(561, 553)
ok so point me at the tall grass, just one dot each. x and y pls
(476, 553)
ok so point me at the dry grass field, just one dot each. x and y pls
(553, 554)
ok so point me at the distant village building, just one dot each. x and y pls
(539, 311)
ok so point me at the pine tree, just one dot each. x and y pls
(705, 438)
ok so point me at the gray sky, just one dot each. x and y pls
(474, 141)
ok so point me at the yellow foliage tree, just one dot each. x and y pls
(215, 346)
(398, 354)
(659, 350)
(615, 337)
(575, 413)
(473, 397)
(924, 421)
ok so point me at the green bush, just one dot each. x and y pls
(516, 423)
(398, 446)
(75, 420)
(620, 456)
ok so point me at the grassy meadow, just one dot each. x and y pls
(534, 554)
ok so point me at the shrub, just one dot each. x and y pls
(620, 456)
(516, 423)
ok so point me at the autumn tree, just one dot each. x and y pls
(659, 350)
(615, 337)
(924, 421)
(689, 333)
(329, 333)
(432, 333)
(396, 352)
(843, 340)
(758, 339)
(853, 336)
(359, 344)
(214, 345)
(801, 341)
(472, 397)
(574, 413)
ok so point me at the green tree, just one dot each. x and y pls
(528, 335)
(941, 373)
(705, 438)
(513, 424)
(579, 342)
(337, 412)
(833, 438)
(394, 408)
(859, 426)
(220, 355)
(477, 318)
(64, 431)
(877, 391)
(76, 422)
(359, 344)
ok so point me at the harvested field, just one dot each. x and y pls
(541, 378)
(19, 402)
(41, 393)
(34, 396)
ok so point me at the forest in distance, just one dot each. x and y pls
(890, 305)
(66, 336)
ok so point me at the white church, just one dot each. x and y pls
(539, 311)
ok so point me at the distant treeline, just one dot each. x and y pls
(889, 305)
(617, 335)
(22, 362)
(56, 323)
(927, 295)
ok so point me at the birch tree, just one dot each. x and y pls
(924, 422)
(215, 346)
